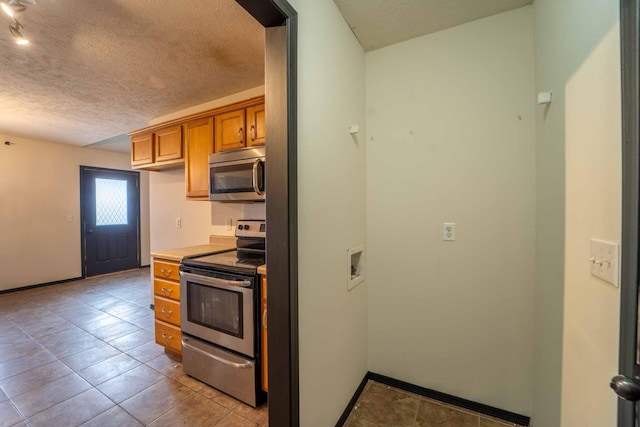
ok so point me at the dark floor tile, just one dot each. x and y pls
(133, 340)
(116, 330)
(380, 405)
(68, 342)
(13, 335)
(234, 420)
(156, 400)
(99, 322)
(14, 351)
(37, 400)
(43, 326)
(9, 415)
(86, 320)
(258, 415)
(91, 356)
(25, 363)
(100, 300)
(108, 369)
(136, 313)
(431, 414)
(147, 322)
(74, 411)
(197, 411)
(166, 364)
(114, 417)
(131, 382)
(119, 307)
(36, 377)
(146, 352)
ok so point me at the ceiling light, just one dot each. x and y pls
(15, 32)
(7, 9)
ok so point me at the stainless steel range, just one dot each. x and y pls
(219, 315)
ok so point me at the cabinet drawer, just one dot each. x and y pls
(166, 270)
(169, 336)
(166, 289)
(167, 310)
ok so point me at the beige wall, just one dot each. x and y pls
(39, 188)
(450, 138)
(332, 211)
(579, 156)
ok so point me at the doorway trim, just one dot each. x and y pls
(281, 25)
(629, 53)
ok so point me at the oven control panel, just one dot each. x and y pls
(251, 228)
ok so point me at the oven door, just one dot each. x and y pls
(241, 180)
(219, 309)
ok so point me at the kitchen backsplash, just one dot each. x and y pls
(222, 213)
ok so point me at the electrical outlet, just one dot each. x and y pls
(229, 224)
(178, 222)
(449, 232)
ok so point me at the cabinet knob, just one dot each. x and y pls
(240, 133)
(252, 133)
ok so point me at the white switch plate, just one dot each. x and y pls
(604, 261)
(449, 232)
(178, 222)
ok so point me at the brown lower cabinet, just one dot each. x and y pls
(166, 303)
(265, 358)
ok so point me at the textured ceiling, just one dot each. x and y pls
(95, 69)
(379, 23)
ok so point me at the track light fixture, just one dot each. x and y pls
(10, 7)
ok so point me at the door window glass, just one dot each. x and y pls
(111, 201)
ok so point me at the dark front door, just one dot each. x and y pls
(110, 205)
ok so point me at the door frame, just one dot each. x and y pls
(629, 53)
(83, 249)
(281, 28)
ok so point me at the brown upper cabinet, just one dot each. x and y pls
(240, 128)
(169, 144)
(198, 146)
(255, 125)
(142, 149)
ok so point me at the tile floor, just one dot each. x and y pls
(83, 353)
(380, 405)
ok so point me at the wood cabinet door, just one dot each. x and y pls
(230, 131)
(198, 146)
(255, 125)
(142, 149)
(169, 144)
(265, 355)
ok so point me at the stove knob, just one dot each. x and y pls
(246, 227)
(239, 226)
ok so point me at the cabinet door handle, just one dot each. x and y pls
(167, 337)
(166, 291)
(166, 273)
(240, 139)
(166, 313)
(264, 319)
(252, 132)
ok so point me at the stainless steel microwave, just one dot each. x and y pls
(238, 175)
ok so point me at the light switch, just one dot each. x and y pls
(604, 261)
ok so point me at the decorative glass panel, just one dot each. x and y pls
(111, 201)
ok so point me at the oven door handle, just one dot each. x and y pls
(185, 343)
(217, 282)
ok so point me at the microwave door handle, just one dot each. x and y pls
(215, 281)
(256, 187)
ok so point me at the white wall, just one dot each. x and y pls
(332, 211)
(579, 157)
(450, 138)
(39, 188)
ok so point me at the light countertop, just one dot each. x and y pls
(191, 251)
(262, 269)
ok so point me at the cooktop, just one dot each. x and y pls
(233, 260)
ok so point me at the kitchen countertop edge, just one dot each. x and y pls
(178, 254)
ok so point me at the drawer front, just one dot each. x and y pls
(167, 310)
(166, 289)
(169, 336)
(166, 270)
